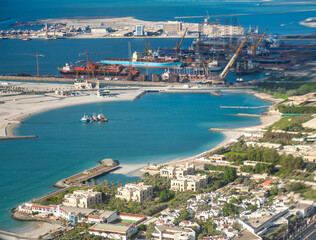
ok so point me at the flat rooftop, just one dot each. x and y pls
(110, 227)
(246, 235)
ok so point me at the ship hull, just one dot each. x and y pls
(144, 64)
(74, 74)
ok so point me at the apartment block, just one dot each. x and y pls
(177, 171)
(135, 192)
(189, 183)
(82, 199)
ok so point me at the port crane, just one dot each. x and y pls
(232, 60)
(178, 45)
(90, 53)
(148, 50)
(34, 55)
(256, 43)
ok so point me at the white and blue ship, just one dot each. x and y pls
(144, 62)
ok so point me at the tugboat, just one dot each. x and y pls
(101, 118)
(85, 119)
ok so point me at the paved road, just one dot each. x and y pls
(308, 233)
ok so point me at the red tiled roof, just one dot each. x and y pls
(266, 183)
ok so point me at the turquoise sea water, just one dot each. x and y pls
(154, 128)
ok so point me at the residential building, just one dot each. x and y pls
(82, 199)
(135, 192)
(189, 183)
(217, 157)
(310, 156)
(264, 145)
(177, 171)
(167, 232)
(220, 159)
(139, 30)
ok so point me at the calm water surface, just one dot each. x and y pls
(155, 128)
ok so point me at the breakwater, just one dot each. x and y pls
(72, 80)
(17, 137)
(82, 177)
(86, 175)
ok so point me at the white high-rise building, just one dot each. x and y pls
(139, 30)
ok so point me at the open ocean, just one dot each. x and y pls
(155, 128)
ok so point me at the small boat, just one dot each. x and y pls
(101, 118)
(85, 119)
(94, 118)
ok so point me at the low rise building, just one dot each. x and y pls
(113, 231)
(135, 192)
(177, 171)
(264, 145)
(83, 85)
(167, 232)
(310, 156)
(217, 157)
(189, 183)
(172, 27)
(82, 199)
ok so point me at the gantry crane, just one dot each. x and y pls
(34, 55)
(178, 45)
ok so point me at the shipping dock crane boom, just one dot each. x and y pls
(256, 44)
(232, 60)
(178, 45)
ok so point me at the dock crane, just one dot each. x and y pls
(34, 55)
(148, 50)
(87, 61)
(232, 60)
(90, 53)
(256, 44)
(178, 45)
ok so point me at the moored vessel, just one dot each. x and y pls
(149, 61)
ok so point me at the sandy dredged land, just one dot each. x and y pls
(14, 108)
(125, 25)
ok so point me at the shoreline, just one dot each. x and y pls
(135, 169)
